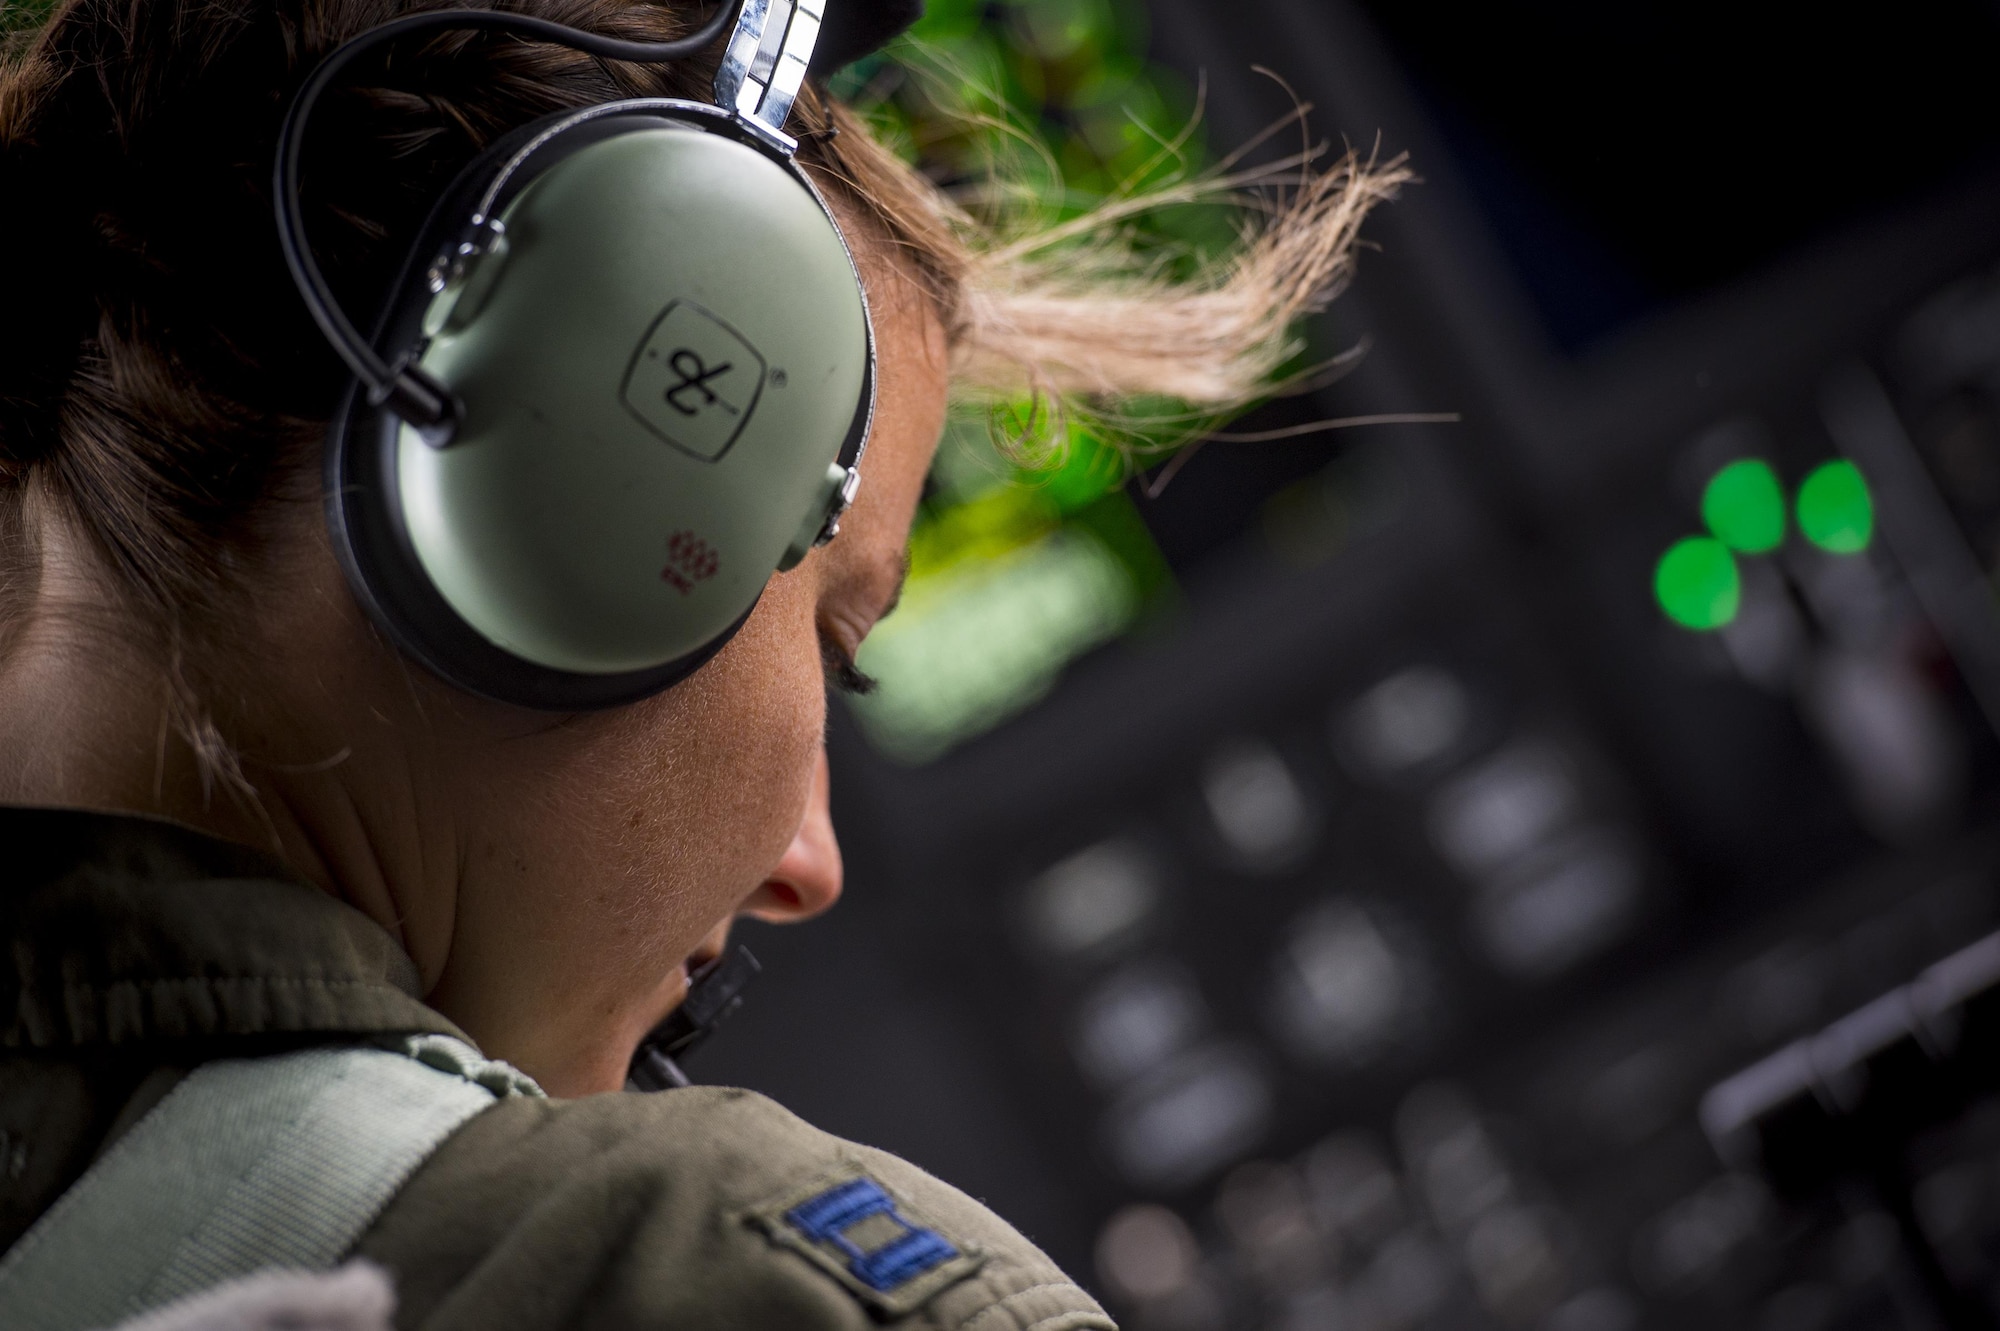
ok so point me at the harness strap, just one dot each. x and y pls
(247, 1164)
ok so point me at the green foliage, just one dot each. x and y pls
(1043, 108)
(1033, 112)
(21, 16)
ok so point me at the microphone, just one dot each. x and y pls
(714, 993)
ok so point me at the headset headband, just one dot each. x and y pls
(763, 68)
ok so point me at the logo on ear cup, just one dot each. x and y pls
(689, 560)
(694, 381)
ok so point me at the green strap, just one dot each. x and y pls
(248, 1164)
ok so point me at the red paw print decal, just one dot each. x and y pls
(689, 560)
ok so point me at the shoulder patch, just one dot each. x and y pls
(853, 1228)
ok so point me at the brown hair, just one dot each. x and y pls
(158, 375)
(161, 384)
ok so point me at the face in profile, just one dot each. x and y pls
(618, 845)
(177, 638)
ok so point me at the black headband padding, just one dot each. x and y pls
(856, 28)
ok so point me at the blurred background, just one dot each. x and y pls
(1525, 872)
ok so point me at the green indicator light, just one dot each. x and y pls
(1697, 583)
(1745, 507)
(1836, 512)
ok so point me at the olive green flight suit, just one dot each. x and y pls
(135, 950)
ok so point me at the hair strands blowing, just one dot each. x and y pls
(163, 393)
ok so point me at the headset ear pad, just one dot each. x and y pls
(659, 365)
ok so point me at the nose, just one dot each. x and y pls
(807, 879)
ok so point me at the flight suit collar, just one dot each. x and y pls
(120, 930)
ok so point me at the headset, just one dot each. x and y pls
(627, 372)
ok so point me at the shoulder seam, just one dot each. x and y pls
(1000, 1306)
(1075, 1318)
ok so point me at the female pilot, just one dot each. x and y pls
(246, 821)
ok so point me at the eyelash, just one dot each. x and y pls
(842, 675)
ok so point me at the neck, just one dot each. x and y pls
(362, 777)
(89, 719)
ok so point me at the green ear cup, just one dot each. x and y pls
(659, 367)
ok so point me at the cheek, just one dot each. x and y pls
(706, 784)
